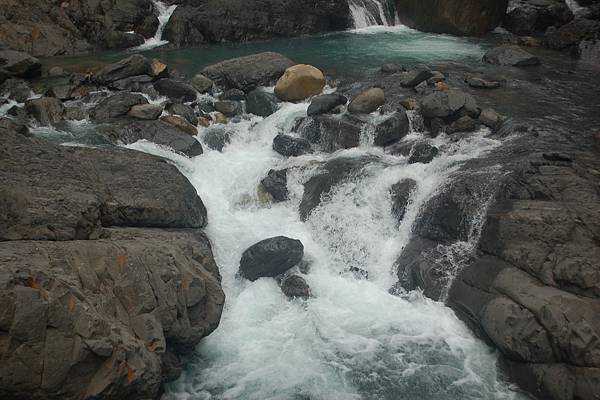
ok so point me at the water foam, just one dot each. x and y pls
(164, 14)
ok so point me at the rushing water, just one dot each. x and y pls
(164, 14)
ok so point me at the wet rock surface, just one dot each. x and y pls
(270, 257)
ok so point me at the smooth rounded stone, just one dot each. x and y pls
(463, 124)
(490, 118)
(295, 287)
(46, 110)
(233, 94)
(184, 111)
(19, 64)
(249, 72)
(326, 103)
(229, 108)
(180, 123)
(330, 133)
(175, 90)
(270, 257)
(216, 137)
(422, 153)
(510, 55)
(261, 103)
(134, 65)
(202, 84)
(300, 82)
(62, 92)
(392, 68)
(116, 105)
(481, 83)
(367, 101)
(290, 146)
(145, 111)
(393, 128)
(443, 103)
(401, 193)
(415, 76)
(275, 183)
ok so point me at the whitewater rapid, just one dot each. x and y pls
(164, 14)
(352, 339)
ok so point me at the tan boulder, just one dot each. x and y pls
(180, 124)
(368, 101)
(300, 82)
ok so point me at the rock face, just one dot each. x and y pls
(271, 257)
(248, 73)
(458, 17)
(527, 17)
(104, 282)
(217, 21)
(300, 82)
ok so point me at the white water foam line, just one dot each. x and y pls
(364, 17)
(164, 14)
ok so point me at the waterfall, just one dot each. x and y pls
(575, 8)
(164, 14)
(372, 12)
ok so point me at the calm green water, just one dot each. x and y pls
(351, 52)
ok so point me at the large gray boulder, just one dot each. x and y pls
(18, 64)
(116, 105)
(270, 257)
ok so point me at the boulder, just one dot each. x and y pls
(175, 90)
(134, 65)
(270, 257)
(481, 83)
(180, 123)
(18, 64)
(300, 82)
(261, 103)
(46, 110)
(145, 111)
(415, 76)
(400, 193)
(528, 18)
(463, 124)
(490, 118)
(216, 137)
(157, 132)
(229, 108)
(330, 133)
(457, 17)
(422, 153)
(116, 105)
(121, 40)
(325, 103)
(447, 103)
(233, 94)
(202, 84)
(367, 101)
(183, 110)
(391, 129)
(275, 183)
(249, 72)
(63, 92)
(16, 89)
(290, 146)
(295, 287)
(510, 55)
(133, 83)
(572, 34)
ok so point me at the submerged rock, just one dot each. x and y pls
(422, 153)
(300, 82)
(325, 103)
(367, 101)
(295, 287)
(510, 55)
(270, 257)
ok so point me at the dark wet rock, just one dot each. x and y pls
(16, 89)
(401, 193)
(248, 73)
(233, 94)
(463, 124)
(270, 257)
(202, 84)
(175, 90)
(510, 55)
(132, 83)
(422, 153)
(330, 133)
(481, 83)
(116, 105)
(81, 211)
(63, 92)
(359, 273)
(9, 126)
(295, 287)
(445, 103)
(217, 21)
(46, 110)
(275, 183)
(216, 137)
(392, 68)
(180, 123)
(392, 129)
(290, 146)
(261, 103)
(415, 76)
(534, 17)
(121, 40)
(367, 101)
(490, 118)
(145, 111)
(134, 65)
(229, 108)
(330, 175)
(457, 17)
(18, 64)
(436, 77)
(183, 110)
(154, 131)
(570, 35)
(325, 103)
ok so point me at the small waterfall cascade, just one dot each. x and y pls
(164, 14)
(575, 8)
(373, 12)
